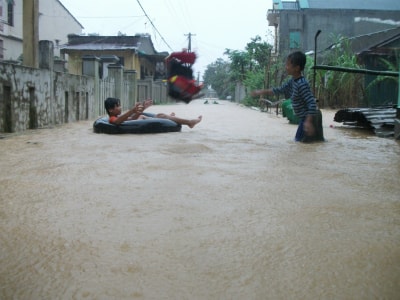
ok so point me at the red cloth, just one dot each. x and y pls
(184, 57)
(186, 86)
(112, 119)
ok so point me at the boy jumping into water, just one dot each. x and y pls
(181, 84)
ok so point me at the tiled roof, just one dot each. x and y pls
(141, 43)
(99, 46)
(131, 41)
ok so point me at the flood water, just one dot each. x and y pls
(231, 209)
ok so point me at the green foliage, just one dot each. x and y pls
(217, 75)
(259, 53)
(254, 68)
(254, 59)
(239, 62)
(389, 66)
(276, 73)
(245, 67)
(333, 88)
(254, 80)
(250, 101)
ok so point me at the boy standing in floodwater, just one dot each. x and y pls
(303, 101)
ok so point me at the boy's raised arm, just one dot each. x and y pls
(135, 111)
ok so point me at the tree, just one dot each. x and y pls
(217, 76)
(341, 89)
(247, 67)
(381, 82)
(255, 59)
(259, 53)
(240, 62)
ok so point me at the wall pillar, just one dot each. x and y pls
(46, 55)
(46, 61)
(116, 71)
(397, 120)
(90, 67)
(130, 76)
(30, 33)
(107, 60)
(150, 81)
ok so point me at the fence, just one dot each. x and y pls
(38, 98)
(156, 90)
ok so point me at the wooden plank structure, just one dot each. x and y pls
(381, 120)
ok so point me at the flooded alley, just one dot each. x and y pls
(231, 209)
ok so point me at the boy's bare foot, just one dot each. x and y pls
(193, 122)
(147, 103)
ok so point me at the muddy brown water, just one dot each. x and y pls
(231, 209)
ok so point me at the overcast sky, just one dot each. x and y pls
(214, 24)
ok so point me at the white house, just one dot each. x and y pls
(55, 23)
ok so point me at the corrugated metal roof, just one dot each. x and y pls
(355, 4)
(367, 41)
(381, 120)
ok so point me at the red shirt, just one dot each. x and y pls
(112, 119)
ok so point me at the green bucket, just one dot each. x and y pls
(287, 111)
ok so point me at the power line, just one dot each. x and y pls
(109, 17)
(155, 28)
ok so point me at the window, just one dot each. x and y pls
(1, 50)
(294, 40)
(10, 12)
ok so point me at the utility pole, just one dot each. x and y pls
(189, 35)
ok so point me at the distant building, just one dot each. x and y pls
(296, 22)
(132, 52)
(55, 23)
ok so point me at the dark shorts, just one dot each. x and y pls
(319, 132)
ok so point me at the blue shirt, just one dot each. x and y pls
(303, 101)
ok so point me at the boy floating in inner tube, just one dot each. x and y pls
(113, 108)
(181, 84)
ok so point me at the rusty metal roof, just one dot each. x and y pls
(380, 120)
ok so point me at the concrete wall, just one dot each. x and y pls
(33, 98)
(38, 98)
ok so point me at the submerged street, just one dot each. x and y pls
(231, 209)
